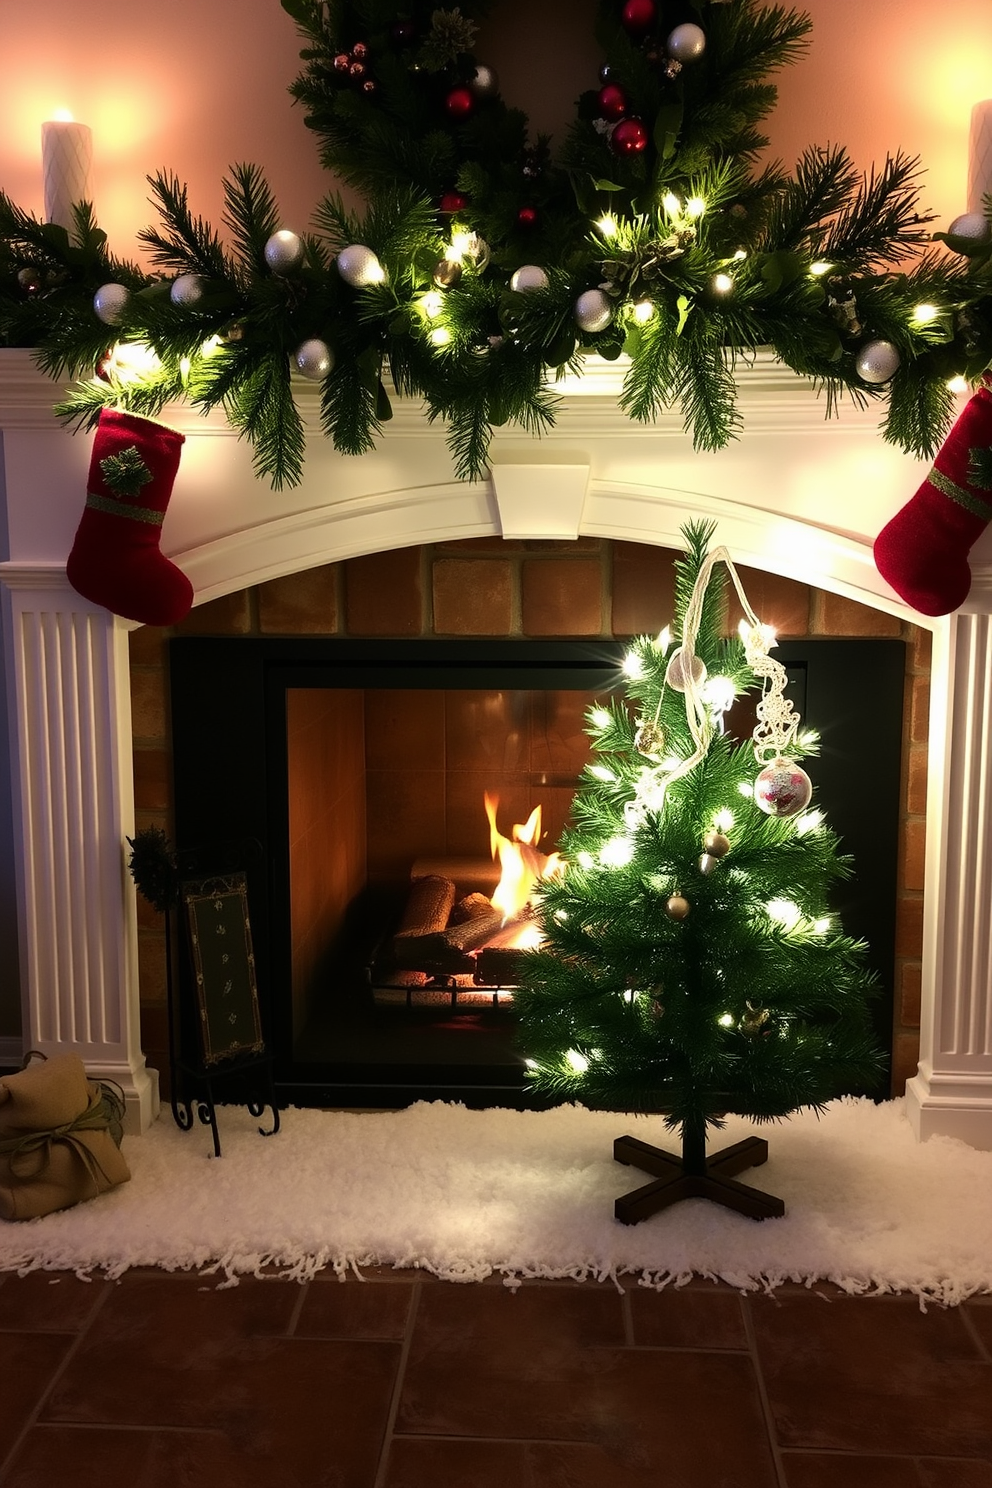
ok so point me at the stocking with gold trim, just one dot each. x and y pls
(115, 559)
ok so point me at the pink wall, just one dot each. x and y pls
(198, 85)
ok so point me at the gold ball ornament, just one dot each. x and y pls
(707, 863)
(716, 844)
(446, 273)
(754, 1020)
(677, 907)
(782, 788)
(650, 739)
(681, 667)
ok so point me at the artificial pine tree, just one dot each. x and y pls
(691, 963)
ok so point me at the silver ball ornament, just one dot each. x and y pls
(593, 310)
(314, 359)
(110, 302)
(782, 788)
(187, 291)
(974, 226)
(686, 43)
(359, 266)
(528, 277)
(484, 82)
(877, 361)
(283, 251)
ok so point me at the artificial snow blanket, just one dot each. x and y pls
(465, 1194)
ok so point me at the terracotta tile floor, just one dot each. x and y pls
(167, 1381)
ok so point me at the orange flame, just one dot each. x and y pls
(522, 866)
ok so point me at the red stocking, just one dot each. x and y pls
(115, 559)
(923, 551)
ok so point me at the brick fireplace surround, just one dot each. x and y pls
(569, 537)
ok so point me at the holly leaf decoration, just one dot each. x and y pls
(125, 472)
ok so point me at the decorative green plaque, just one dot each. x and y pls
(223, 967)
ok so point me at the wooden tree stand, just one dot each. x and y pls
(694, 1176)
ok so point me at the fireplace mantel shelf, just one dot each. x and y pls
(798, 494)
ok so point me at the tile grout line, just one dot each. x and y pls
(974, 1334)
(294, 1316)
(70, 1353)
(394, 1404)
(752, 1341)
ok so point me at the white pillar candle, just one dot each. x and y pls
(66, 152)
(980, 155)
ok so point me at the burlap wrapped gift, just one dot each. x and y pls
(57, 1142)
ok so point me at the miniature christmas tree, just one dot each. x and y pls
(691, 964)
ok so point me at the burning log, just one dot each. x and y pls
(427, 907)
(470, 908)
(447, 950)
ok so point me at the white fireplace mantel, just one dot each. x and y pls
(798, 495)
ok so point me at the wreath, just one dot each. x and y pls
(486, 265)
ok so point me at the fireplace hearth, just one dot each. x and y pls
(382, 779)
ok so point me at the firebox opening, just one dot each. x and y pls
(363, 768)
(409, 810)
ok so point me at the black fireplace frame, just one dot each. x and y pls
(231, 785)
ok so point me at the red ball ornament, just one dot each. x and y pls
(342, 62)
(638, 16)
(629, 137)
(452, 202)
(527, 216)
(611, 102)
(459, 103)
(360, 51)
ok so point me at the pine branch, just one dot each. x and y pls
(250, 214)
(882, 223)
(188, 245)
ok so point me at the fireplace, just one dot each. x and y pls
(375, 776)
(798, 496)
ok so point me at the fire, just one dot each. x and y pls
(522, 866)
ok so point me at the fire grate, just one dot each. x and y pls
(450, 947)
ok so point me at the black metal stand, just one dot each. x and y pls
(197, 1083)
(193, 1097)
(694, 1176)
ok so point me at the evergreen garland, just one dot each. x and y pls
(702, 256)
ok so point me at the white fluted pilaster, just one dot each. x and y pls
(70, 747)
(951, 1093)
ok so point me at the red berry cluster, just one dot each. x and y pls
(353, 67)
